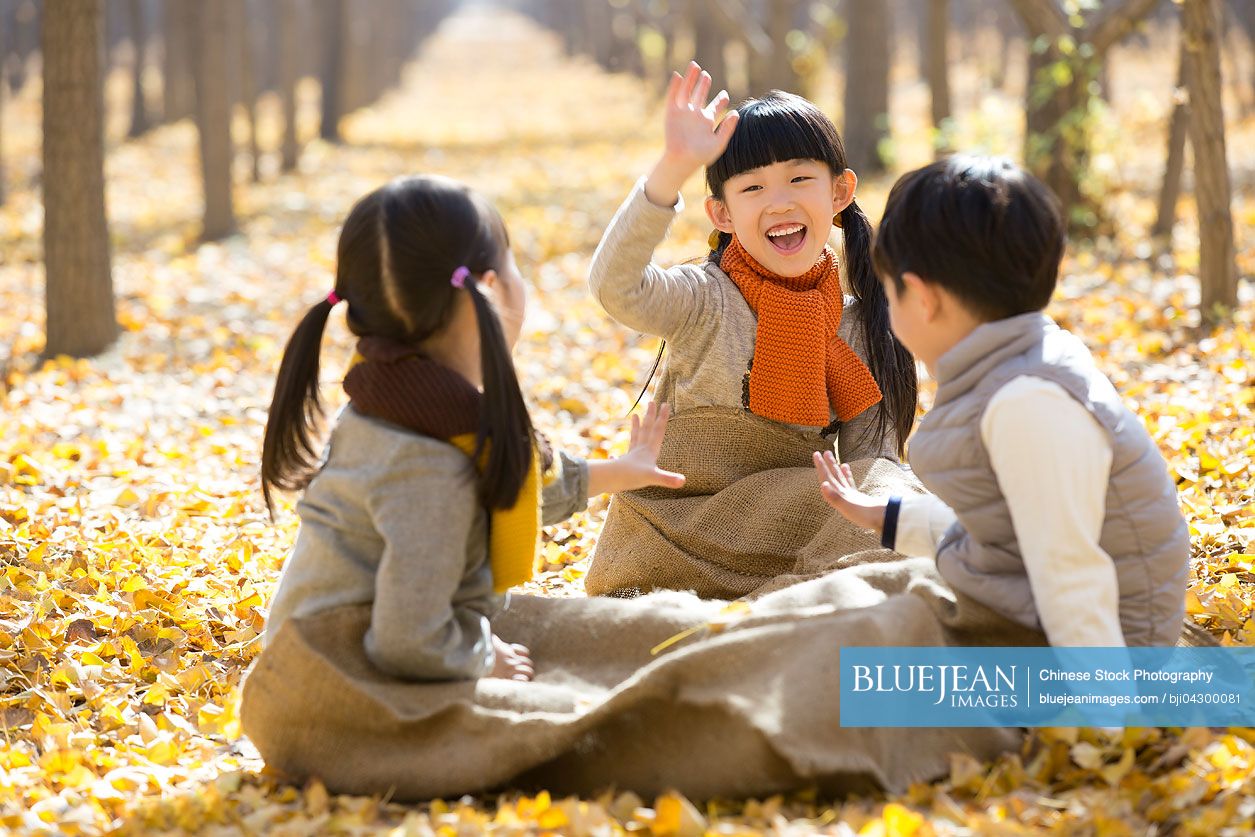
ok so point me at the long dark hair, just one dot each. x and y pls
(780, 127)
(398, 250)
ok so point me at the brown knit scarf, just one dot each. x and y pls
(801, 367)
(395, 382)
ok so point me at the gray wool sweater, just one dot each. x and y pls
(391, 520)
(709, 327)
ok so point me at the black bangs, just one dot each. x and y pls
(774, 129)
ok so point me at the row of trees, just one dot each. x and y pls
(755, 45)
(210, 58)
(215, 57)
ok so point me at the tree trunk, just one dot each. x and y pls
(571, 24)
(937, 59)
(248, 82)
(397, 46)
(707, 43)
(670, 60)
(916, 23)
(356, 49)
(1242, 12)
(140, 122)
(3, 193)
(1004, 27)
(1170, 191)
(335, 39)
(6, 39)
(866, 113)
(1233, 53)
(79, 290)
(213, 115)
(178, 91)
(774, 71)
(1057, 129)
(626, 47)
(596, 14)
(1217, 269)
(291, 15)
(1056, 141)
(26, 29)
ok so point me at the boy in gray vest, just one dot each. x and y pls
(1050, 502)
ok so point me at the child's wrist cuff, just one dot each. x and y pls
(889, 532)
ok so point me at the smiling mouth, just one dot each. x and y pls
(787, 238)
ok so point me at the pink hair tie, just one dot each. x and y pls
(333, 299)
(460, 276)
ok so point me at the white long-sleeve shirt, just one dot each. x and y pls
(1052, 460)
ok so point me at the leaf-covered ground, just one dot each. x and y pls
(136, 561)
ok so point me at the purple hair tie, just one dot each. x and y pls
(460, 276)
(334, 299)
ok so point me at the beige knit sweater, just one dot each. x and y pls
(392, 519)
(700, 312)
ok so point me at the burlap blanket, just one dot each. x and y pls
(748, 520)
(665, 691)
(751, 709)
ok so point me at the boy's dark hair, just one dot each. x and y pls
(780, 127)
(397, 252)
(981, 227)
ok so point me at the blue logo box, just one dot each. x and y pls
(1045, 687)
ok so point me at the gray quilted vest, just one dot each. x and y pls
(1143, 531)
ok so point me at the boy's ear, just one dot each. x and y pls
(925, 295)
(717, 212)
(843, 188)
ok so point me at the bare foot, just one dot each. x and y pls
(514, 661)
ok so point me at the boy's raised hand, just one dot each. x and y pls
(836, 484)
(695, 136)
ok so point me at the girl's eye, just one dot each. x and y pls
(801, 177)
(751, 188)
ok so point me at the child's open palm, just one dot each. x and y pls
(694, 133)
(638, 467)
(640, 463)
(837, 485)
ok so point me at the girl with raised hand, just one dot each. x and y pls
(429, 497)
(761, 326)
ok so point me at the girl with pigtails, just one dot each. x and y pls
(767, 360)
(427, 502)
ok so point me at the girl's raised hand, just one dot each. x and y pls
(836, 484)
(694, 133)
(695, 136)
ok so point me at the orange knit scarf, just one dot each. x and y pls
(801, 367)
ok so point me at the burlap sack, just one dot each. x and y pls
(748, 520)
(749, 710)
(752, 709)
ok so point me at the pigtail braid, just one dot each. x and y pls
(288, 457)
(891, 364)
(504, 419)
